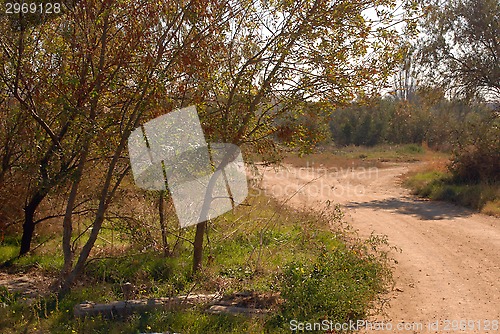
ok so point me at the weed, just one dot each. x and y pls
(338, 286)
(492, 208)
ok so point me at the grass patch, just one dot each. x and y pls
(338, 285)
(256, 248)
(439, 185)
(50, 315)
(42, 258)
(9, 249)
(492, 208)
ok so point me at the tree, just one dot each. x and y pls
(150, 69)
(462, 53)
(462, 47)
(280, 54)
(405, 81)
(34, 77)
(87, 78)
(12, 151)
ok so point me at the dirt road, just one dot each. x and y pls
(449, 267)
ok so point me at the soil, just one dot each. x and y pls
(449, 265)
(29, 285)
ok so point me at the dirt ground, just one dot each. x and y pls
(30, 285)
(449, 265)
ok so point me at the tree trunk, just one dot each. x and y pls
(107, 193)
(161, 211)
(198, 246)
(29, 222)
(201, 227)
(68, 216)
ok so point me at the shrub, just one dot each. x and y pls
(476, 164)
(476, 157)
(411, 149)
(338, 286)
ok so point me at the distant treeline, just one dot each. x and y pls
(470, 131)
(439, 124)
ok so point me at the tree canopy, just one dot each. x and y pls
(461, 47)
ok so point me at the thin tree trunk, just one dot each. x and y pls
(70, 277)
(106, 194)
(96, 227)
(161, 211)
(198, 246)
(68, 216)
(201, 227)
(29, 222)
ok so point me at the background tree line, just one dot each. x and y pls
(429, 118)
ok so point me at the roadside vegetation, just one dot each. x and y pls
(432, 178)
(471, 174)
(441, 185)
(299, 265)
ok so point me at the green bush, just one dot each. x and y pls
(411, 149)
(338, 286)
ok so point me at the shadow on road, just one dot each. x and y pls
(422, 209)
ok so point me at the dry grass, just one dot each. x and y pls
(433, 180)
(356, 156)
(329, 160)
(429, 164)
(492, 208)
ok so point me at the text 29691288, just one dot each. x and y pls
(32, 7)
